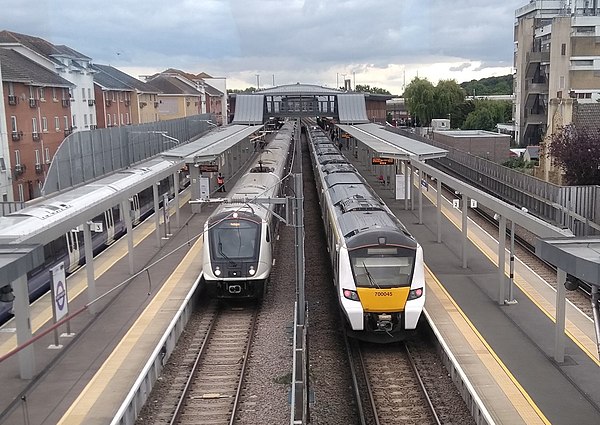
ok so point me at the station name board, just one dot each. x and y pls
(382, 161)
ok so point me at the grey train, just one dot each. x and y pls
(377, 264)
(238, 236)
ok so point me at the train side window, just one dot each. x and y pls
(268, 235)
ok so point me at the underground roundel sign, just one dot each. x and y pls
(59, 291)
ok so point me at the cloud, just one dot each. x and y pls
(297, 40)
(460, 67)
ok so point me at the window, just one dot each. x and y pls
(44, 124)
(563, 49)
(66, 119)
(122, 122)
(65, 94)
(83, 94)
(74, 121)
(11, 89)
(2, 165)
(113, 96)
(31, 92)
(17, 157)
(42, 93)
(34, 125)
(108, 123)
(48, 159)
(20, 190)
(89, 93)
(91, 119)
(56, 124)
(115, 122)
(13, 124)
(4, 197)
(37, 157)
(127, 118)
(584, 30)
(54, 93)
(582, 62)
(85, 124)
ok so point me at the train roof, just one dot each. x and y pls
(343, 178)
(338, 168)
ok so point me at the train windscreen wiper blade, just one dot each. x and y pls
(220, 246)
(371, 280)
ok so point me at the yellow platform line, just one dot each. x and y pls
(509, 385)
(116, 366)
(576, 335)
(41, 309)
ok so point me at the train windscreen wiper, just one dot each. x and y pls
(220, 246)
(371, 280)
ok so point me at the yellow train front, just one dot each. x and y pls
(378, 266)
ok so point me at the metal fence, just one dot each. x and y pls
(87, 155)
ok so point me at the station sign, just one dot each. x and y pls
(382, 161)
(208, 168)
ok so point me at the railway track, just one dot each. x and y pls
(388, 395)
(208, 393)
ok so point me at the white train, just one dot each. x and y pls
(238, 236)
(378, 266)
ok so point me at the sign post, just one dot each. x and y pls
(60, 304)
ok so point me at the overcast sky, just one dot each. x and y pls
(376, 42)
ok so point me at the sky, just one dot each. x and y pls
(263, 43)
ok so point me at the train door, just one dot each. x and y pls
(109, 221)
(73, 251)
(135, 209)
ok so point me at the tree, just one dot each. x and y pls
(487, 114)
(448, 95)
(368, 89)
(419, 96)
(577, 152)
(246, 90)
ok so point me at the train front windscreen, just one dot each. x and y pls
(382, 267)
(235, 240)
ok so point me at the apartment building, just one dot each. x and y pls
(122, 99)
(36, 118)
(557, 56)
(67, 63)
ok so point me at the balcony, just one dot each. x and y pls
(17, 135)
(66, 103)
(36, 136)
(127, 102)
(91, 102)
(108, 102)
(39, 168)
(33, 103)
(12, 99)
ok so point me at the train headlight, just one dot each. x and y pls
(217, 271)
(251, 271)
(351, 295)
(415, 293)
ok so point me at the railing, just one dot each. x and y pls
(17, 135)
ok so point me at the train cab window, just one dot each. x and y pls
(234, 239)
(382, 267)
(268, 235)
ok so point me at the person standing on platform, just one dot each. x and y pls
(220, 183)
